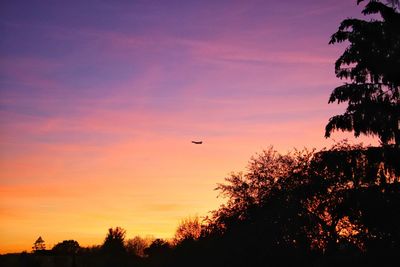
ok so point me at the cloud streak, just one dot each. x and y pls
(98, 106)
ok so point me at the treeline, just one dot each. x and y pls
(334, 207)
(328, 208)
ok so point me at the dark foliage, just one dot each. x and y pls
(371, 63)
(334, 207)
(114, 241)
(329, 208)
(39, 246)
(67, 247)
(157, 247)
(189, 229)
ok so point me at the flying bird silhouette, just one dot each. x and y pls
(197, 142)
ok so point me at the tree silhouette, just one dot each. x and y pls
(137, 245)
(39, 245)
(157, 248)
(372, 64)
(188, 229)
(287, 209)
(66, 247)
(114, 241)
(265, 218)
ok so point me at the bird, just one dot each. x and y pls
(197, 142)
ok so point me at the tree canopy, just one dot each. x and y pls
(306, 203)
(189, 229)
(371, 66)
(67, 247)
(333, 207)
(39, 245)
(114, 241)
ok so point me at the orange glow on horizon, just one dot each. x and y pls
(97, 113)
(131, 185)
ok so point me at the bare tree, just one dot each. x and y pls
(137, 245)
(188, 229)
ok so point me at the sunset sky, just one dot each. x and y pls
(100, 100)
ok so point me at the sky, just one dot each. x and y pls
(100, 100)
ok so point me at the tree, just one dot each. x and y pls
(304, 203)
(114, 241)
(265, 216)
(39, 245)
(265, 173)
(67, 247)
(371, 64)
(189, 229)
(157, 248)
(137, 245)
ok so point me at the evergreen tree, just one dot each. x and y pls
(114, 241)
(39, 245)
